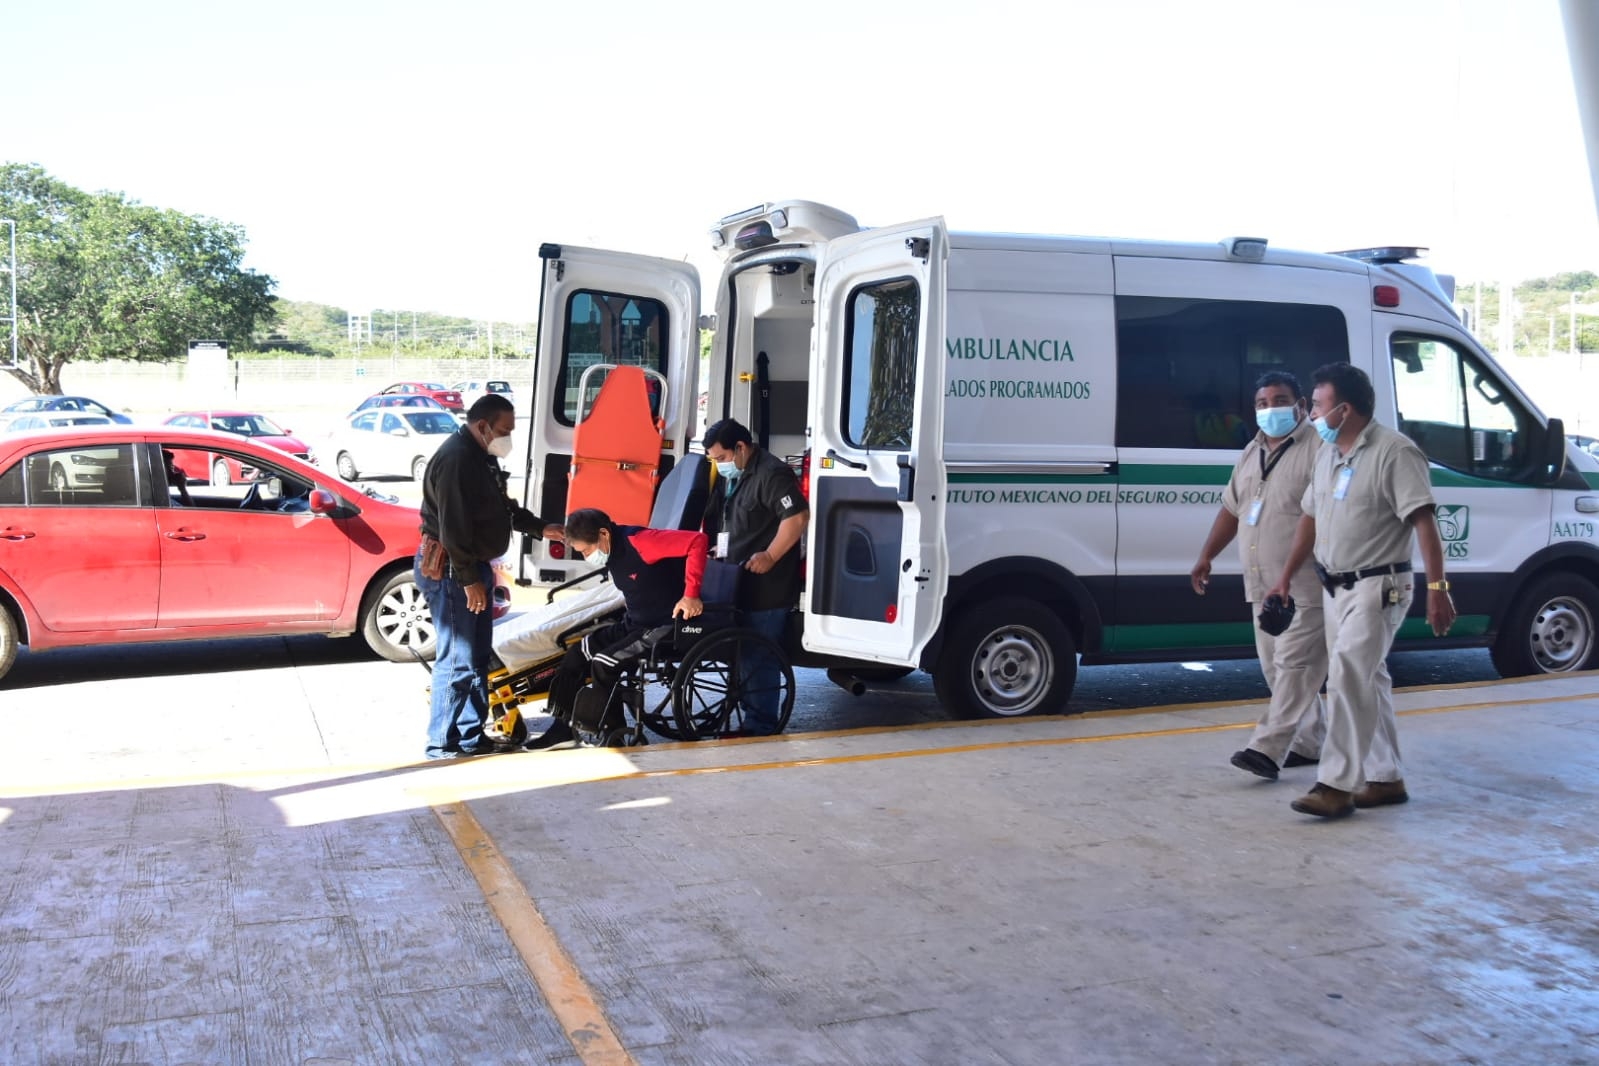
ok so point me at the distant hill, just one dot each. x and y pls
(308, 328)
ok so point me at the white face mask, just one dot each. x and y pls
(597, 557)
(500, 447)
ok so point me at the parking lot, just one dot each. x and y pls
(248, 865)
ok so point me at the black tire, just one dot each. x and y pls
(1551, 628)
(10, 638)
(395, 621)
(1009, 657)
(346, 467)
(219, 473)
(419, 467)
(707, 694)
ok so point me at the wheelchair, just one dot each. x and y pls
(686, 681)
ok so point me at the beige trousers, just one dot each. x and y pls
(1362, 738)
(1294, 664)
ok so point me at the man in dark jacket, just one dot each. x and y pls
(465, 508)
(757, 521)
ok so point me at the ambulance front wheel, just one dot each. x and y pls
(1007, 658)
(1552, 628)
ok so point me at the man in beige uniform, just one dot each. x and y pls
(1261, 507)
(1368, 504)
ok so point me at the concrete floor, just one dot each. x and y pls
(1095, 889)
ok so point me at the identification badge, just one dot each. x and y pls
(722, 545)
(1341, 489)
(1253, 517)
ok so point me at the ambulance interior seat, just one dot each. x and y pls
(684, 494)
(616, 451)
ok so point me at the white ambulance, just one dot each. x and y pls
(1016, 444)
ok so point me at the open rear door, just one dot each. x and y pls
(602, 309)
(878, 566)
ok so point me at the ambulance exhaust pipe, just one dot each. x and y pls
(847, 681)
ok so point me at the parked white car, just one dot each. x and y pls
(396, 441)
(471, 391)
(52, 420)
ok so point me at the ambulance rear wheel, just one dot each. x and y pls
(1009, 657)
(1553, 628)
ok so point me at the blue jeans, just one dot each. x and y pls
(460, 667)
(762, 680)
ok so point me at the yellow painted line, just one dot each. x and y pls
(313, 776)
(573, 1003)
(1032, 742)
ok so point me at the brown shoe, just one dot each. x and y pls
(1381, 794)
(1324, 801)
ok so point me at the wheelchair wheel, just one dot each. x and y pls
(709, 692)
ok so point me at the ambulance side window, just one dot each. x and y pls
(608, 327)
(1186, 368)
(880, 350)
(1458, 411)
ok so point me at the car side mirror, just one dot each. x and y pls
(323, 502)
(1554, 450)
(272, 488)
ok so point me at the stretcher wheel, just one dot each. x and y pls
(709, 690)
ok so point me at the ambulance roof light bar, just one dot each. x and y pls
(1249, 249)
(1384, 255)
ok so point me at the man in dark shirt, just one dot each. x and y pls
(465, 508)
(757, 521)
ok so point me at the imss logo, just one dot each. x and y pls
(1454, 528)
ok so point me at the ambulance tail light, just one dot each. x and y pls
(557, 549)
(1385, 295)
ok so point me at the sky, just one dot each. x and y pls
(413, 156)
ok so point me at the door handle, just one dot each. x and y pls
(184, 535)
(13, 533)
(837, 458)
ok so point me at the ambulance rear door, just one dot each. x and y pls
(602, 309)
(878, 567)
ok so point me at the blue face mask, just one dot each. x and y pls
(1326, 432)
(1277, 421)
(729, 470)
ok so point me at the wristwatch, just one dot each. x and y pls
(1438, 586)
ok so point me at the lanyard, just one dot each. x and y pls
(1276, 457)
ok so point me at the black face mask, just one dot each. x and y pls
(1276, 615)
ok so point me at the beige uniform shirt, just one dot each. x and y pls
(1369, 526)
(1263, 547)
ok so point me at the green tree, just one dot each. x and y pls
(100, 276)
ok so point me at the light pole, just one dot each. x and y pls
(1580, 309)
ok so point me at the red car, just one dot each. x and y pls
(448, 397)
(98, 545)
(221, 469)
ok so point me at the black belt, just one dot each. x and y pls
(1332, 582)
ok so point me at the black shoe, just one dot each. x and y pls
(486, 747)
(558, 736)
(1295, 759)
(1256, 763)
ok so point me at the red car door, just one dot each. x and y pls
(223, 567)
(83, 548)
